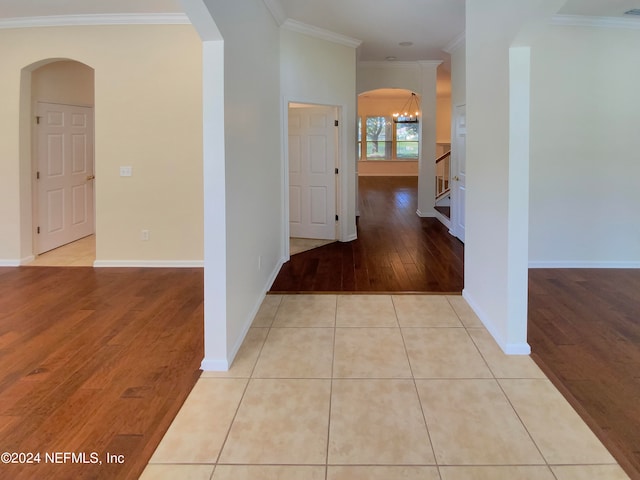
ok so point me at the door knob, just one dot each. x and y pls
(90, 177)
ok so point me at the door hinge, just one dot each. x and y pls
(336, 123)
(37, 175)
(336, 218)
(38, 119)
(337, 171)
(38, 230)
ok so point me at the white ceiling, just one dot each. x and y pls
(381, 25)
(599, 8)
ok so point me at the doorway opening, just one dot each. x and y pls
(312, 172)
(61, 162)
(387, 147)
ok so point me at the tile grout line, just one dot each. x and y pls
(333, 359)
(244, 391)
(415, 386)
(546, 462)
(496, 380)
(466, 329)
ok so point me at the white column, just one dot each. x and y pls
(214, 187)
(427, 167)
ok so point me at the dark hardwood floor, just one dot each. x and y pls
(95, 360)
(396, 251)
(584, 332)
(444, 210)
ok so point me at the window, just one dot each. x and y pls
(386, 140)
(359, 138)
(407, 141)
(379, 138)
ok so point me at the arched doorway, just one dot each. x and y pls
(61, 161)
(385, 146)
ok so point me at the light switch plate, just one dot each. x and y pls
(126, 171)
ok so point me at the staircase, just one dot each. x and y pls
(443, 190)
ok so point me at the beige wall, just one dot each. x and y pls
(148, 115)
(65, 82)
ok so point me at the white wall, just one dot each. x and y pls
(252, 165)
(458, 99)
(419, 77)
(321, 72)
(458, 76)
(443, 119)
(148, 83)
(584, 152)
(496, 249)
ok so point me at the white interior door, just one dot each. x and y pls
(312, 176)
(65, 175)
(459, 172)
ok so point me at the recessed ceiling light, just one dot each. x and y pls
(633, 11)
(390, 58)
(405, 44)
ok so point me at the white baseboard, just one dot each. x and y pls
(350, 238)
(214, 365)
(517, 348)
(252, 315)
(272, 277)
(387, 174)
(149, 263)
(426, 215)
(9, 263)
(223, 365)
(520, 348)
(574, 264)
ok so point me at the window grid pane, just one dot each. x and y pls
(379, 138)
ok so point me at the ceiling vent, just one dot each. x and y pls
(633, 11)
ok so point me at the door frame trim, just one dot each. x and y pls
(340, 161)
(453, 228)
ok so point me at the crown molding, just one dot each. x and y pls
(429, 63)
(299, 27)
(275, 8)
(98, 19)
(602, 22)
(399, 64)
(455, 44)
(387, 64)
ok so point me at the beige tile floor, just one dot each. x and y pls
(299, 245)
(81, 253)
(376, 387)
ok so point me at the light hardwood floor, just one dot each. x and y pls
(94, 360)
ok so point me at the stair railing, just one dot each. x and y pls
(443, 172)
